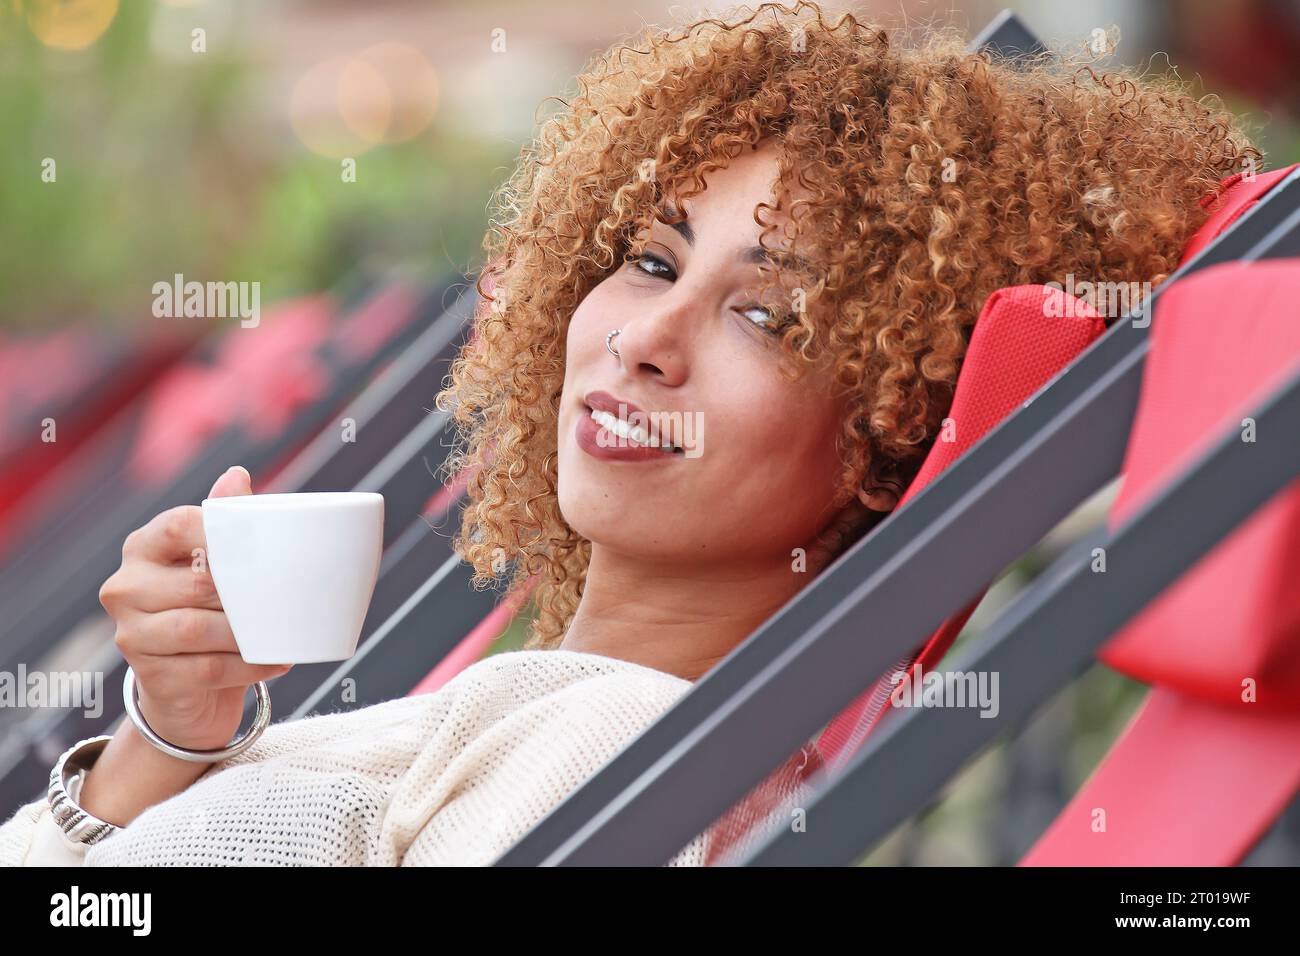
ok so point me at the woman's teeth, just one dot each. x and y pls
(626, 430)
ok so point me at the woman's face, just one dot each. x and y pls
(759, 465)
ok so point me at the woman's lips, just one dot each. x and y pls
(591, 434)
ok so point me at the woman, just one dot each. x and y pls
(732, 284)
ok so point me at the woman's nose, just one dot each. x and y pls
(655, 340)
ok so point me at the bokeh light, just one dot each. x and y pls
(340, 107)
(68, 24)
(387, 93)
(412, 85)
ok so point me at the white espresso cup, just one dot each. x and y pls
(295, 572)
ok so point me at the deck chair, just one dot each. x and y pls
(1213, 754)
(1203, 497)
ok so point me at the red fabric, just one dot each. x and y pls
(261, 378)
(271, 374)
(1237, 195)
(92, 387)
(1228, 335)
(1203, 769)
(1187, 784)
(1019, 343)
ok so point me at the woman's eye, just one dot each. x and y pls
(772, 324)
(636, 261)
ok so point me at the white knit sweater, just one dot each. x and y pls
(452, 777)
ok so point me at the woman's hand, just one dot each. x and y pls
(173, 632)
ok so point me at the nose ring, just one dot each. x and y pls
(609, 338)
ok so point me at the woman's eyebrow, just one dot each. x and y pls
(754, 254)
(683, 227)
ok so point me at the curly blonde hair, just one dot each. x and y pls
(934, 176)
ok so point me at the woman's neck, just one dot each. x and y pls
(681, 619)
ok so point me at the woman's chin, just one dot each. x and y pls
(625, 529)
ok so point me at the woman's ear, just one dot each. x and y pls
(880, 499)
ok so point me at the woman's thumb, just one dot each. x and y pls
(233, 481)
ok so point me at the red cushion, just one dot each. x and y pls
(1237, 195)
(1225, 337)
(1203, 769)
(1187, 784)
(1023, 337)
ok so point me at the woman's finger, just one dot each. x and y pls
(170, 536)
(160, 587)
(180, 675)
(177, 630)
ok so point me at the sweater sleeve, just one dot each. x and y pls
(521, 767)
(26, 838)
(50, 847)
(309, 792)
(301, 760)
(31, 837)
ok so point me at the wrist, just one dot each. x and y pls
(132, 775)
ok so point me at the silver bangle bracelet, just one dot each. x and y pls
(77, 825)
(81, 827)
(131, 696)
